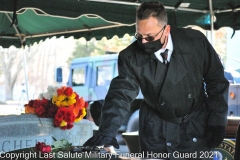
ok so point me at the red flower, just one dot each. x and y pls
(69, 126)
(79, 113)
(37, 103)
(59, 115)
(77, 96)
(57, 123)
(45, 108)
(46, 149)
(45, 101)
(64, 127)
(42, 147)
(51, 112)
(69, 116)
(68, 91)
(30, 103)
(86, 105)
(65, 114)
(40, 111)
(60, 91)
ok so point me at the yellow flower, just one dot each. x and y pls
(61, 98)
(81, 117)
(54, 99)
(71, 101)
(72, 96)
(84, 112)
(58, 103)
(64, 103)
(63, 123)
(78, 119)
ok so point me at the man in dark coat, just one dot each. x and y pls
(184, 112)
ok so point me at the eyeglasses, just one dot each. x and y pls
(149, 38)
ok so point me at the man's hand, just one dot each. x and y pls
(214, 135)
(100, 140)
(110, 149)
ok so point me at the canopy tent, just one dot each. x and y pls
(37, 20)
(32, 28)
(24, 22)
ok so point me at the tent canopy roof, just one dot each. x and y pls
(37, 20)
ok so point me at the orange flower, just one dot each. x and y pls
(66, 107)
(60, 91)
(29, 109)
(81, 114)
(80, 103)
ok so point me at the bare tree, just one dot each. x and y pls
(94, 47)
(11, 64)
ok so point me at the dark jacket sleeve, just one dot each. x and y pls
(237, 146)
(216, 86)
(123, 90)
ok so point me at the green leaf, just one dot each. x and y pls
(54, 138)
(64, 141)
(61, 144)
(58, 144)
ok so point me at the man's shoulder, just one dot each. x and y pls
(187, 38)
(186, 32)
(129, 51)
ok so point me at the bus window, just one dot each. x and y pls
(104, 75)
(78, 76)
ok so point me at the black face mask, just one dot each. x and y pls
(150, 47)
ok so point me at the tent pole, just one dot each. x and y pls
(211, 21)
(22, 39)
(25, 71)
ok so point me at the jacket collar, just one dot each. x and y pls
(180, 46)
(176, 72)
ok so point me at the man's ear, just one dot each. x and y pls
(166, 32)
(167, 29)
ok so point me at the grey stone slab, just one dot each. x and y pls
(23, 131)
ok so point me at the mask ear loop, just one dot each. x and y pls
(162, 35)
(164, 45)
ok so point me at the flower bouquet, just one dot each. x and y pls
(60, 103)
(49, 152)
(58, 150)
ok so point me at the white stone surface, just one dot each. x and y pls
(25, 130)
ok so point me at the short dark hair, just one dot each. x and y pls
(152, 9)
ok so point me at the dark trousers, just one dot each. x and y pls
(160, 139)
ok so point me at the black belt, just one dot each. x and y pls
(179, 120)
